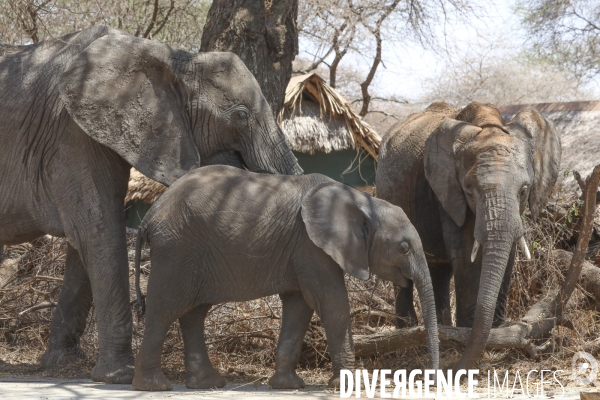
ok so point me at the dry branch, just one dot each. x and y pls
(585, 233)
(514, 336)
(45, 304)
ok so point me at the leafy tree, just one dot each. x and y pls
(178, 22)
(338, 30)
(502, 79)
(566, 32)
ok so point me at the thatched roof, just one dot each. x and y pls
(316, 118)
(577, 124)
(143, 188)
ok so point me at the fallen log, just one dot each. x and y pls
(517, 336)
(589, 280)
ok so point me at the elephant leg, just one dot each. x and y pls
(200, 373)
(335, 315)
(441, 275)
(405, 310)
(322, 286)
(295, 319)
(500, 312)
(69, 317)
(89, 198)
(109, 274)
(148, 372)
(459, 243)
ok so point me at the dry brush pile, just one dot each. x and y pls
(242, 337)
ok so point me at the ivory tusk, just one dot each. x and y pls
(524, 247)
(476, 245)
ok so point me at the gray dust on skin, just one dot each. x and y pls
(222, 234)
(464, 178)
(77, 113)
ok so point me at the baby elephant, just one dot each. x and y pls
(222, 234)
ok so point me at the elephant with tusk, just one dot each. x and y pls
(464, 178)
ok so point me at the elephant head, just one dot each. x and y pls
(477, 162)
(365, 235)
(166, 112)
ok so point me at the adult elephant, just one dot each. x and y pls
(464, 178)
(77, 113)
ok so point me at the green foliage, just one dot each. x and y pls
(574, 209)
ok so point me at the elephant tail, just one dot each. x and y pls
(139, 243)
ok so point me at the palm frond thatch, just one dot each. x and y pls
(316, 118)
(143, 188)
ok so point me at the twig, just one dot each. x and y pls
(580, 182)
(45, 304)
(32, 280)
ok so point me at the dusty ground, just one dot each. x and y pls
(56, 389)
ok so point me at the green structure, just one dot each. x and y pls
(346, 166)
(326, 135)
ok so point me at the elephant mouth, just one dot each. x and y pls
(402, 281)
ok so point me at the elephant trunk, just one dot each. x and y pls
(271, 153)
(504, 228)
(422, 281)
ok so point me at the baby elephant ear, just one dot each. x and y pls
(338, 219)
(441, 165)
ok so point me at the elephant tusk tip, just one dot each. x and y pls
(476, 245)
(524, 247)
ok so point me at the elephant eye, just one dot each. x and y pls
(240, 116)
(523, 192)
(403, 248)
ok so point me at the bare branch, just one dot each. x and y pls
(383, 113)
(152, 21)
(164, 21)
(45, 304)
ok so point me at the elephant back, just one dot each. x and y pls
(400, 165)
(400, 177)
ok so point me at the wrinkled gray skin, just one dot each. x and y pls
(221, 234)
(460, 176)
(77, 113)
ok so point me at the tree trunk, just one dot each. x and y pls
(263, 34)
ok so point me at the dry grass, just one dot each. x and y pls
(242, 337)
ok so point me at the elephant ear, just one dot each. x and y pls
(441, 166)
(122, 93)
(338, 219)
(545, 143)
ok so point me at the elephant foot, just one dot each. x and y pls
(334, 382)
(61, 356)
(151, 381)
(205, 379)
(117, 370)
(286, 380)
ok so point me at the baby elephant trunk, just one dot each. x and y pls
(139, 243)
(422, 281)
